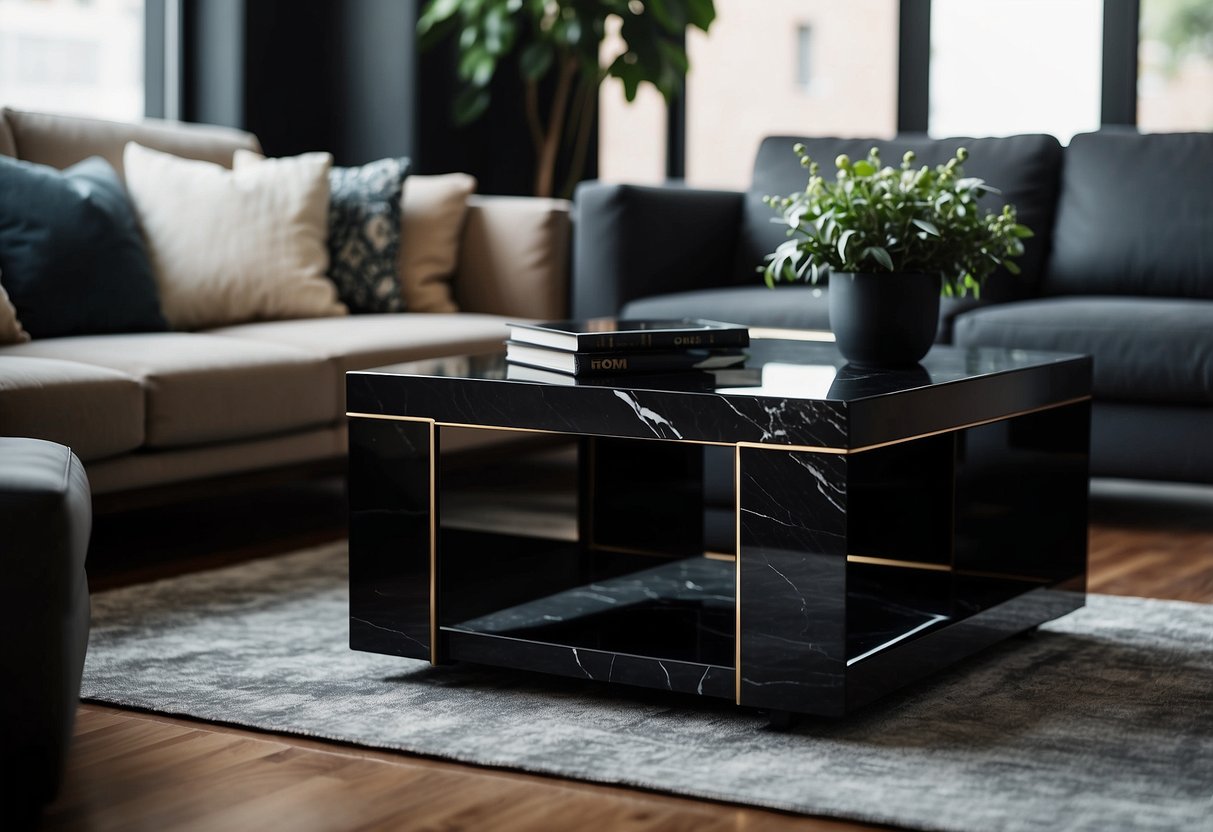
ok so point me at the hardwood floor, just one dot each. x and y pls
(129, 770)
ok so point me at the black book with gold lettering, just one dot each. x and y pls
(621, 362)
(612, 334)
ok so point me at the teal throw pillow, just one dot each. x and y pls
(73, 258)
(364, 234)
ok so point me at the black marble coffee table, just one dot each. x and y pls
(796, 535)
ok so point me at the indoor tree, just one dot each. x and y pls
(562, 40)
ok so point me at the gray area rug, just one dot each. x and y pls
(1102, 721)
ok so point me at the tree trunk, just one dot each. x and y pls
(549, 150)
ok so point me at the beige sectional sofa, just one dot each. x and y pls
(151, 409)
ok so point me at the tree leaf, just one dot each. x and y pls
(470, 104)
(669, 15)
(536, 60)
(842, 243)
(880, 255)
(927, 226)
(436, 12)
(701, 13)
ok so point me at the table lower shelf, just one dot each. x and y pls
(579, 601)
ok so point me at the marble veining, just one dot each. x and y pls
(697, 580)
(660, 425)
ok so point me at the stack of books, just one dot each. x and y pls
(612, 347)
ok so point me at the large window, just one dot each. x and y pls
(631, 136)
(1000, 67)
(73, 56)
(800, 67)
(1175, 85)
(766, 67)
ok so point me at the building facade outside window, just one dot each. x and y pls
(786, 67)
(766, 68)
(82, 57)
(1175, 65)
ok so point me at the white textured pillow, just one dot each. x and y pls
(229, 246)
(10, 328)
(431, 228)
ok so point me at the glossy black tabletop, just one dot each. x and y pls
(788, 393)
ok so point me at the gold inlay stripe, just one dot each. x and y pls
(433, 548)
(764, 446)
(737, 576)
(904, 564)
(943, 567)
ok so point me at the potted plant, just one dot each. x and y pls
(891, 241)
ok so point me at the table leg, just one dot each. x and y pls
(791, 570)
(393, 527)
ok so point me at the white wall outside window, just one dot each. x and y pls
(1000, 67)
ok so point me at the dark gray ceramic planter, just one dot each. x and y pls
(884, 319)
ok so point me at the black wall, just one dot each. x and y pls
(347, 76)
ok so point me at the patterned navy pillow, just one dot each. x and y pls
(364, 234)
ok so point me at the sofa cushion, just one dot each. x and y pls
(204, 388)
(514, 257)
(1024, 168)
(60, 141)
(1135, 216)
(364, 234)
(1140, 440)
(95, 411)
(1145, 349)
(362, 341)
(73, 258)
(233, 246)
(434, 208)
(364, 212)
(787, 307)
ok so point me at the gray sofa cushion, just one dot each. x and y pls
(1145, 349)
(1135, 216)
(794, 307)
(96, 411)
(1152, 441)
(203, 388)
(787, 306)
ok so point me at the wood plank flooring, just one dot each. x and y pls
(129, 770)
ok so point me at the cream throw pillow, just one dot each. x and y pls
(431, 229)
(10, 328)
(229, 246)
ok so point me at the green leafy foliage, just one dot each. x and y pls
(873, 217)
(491, 30)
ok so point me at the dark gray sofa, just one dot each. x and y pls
(1121, 267)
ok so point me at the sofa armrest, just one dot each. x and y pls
(631, 242)
(514, 257)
